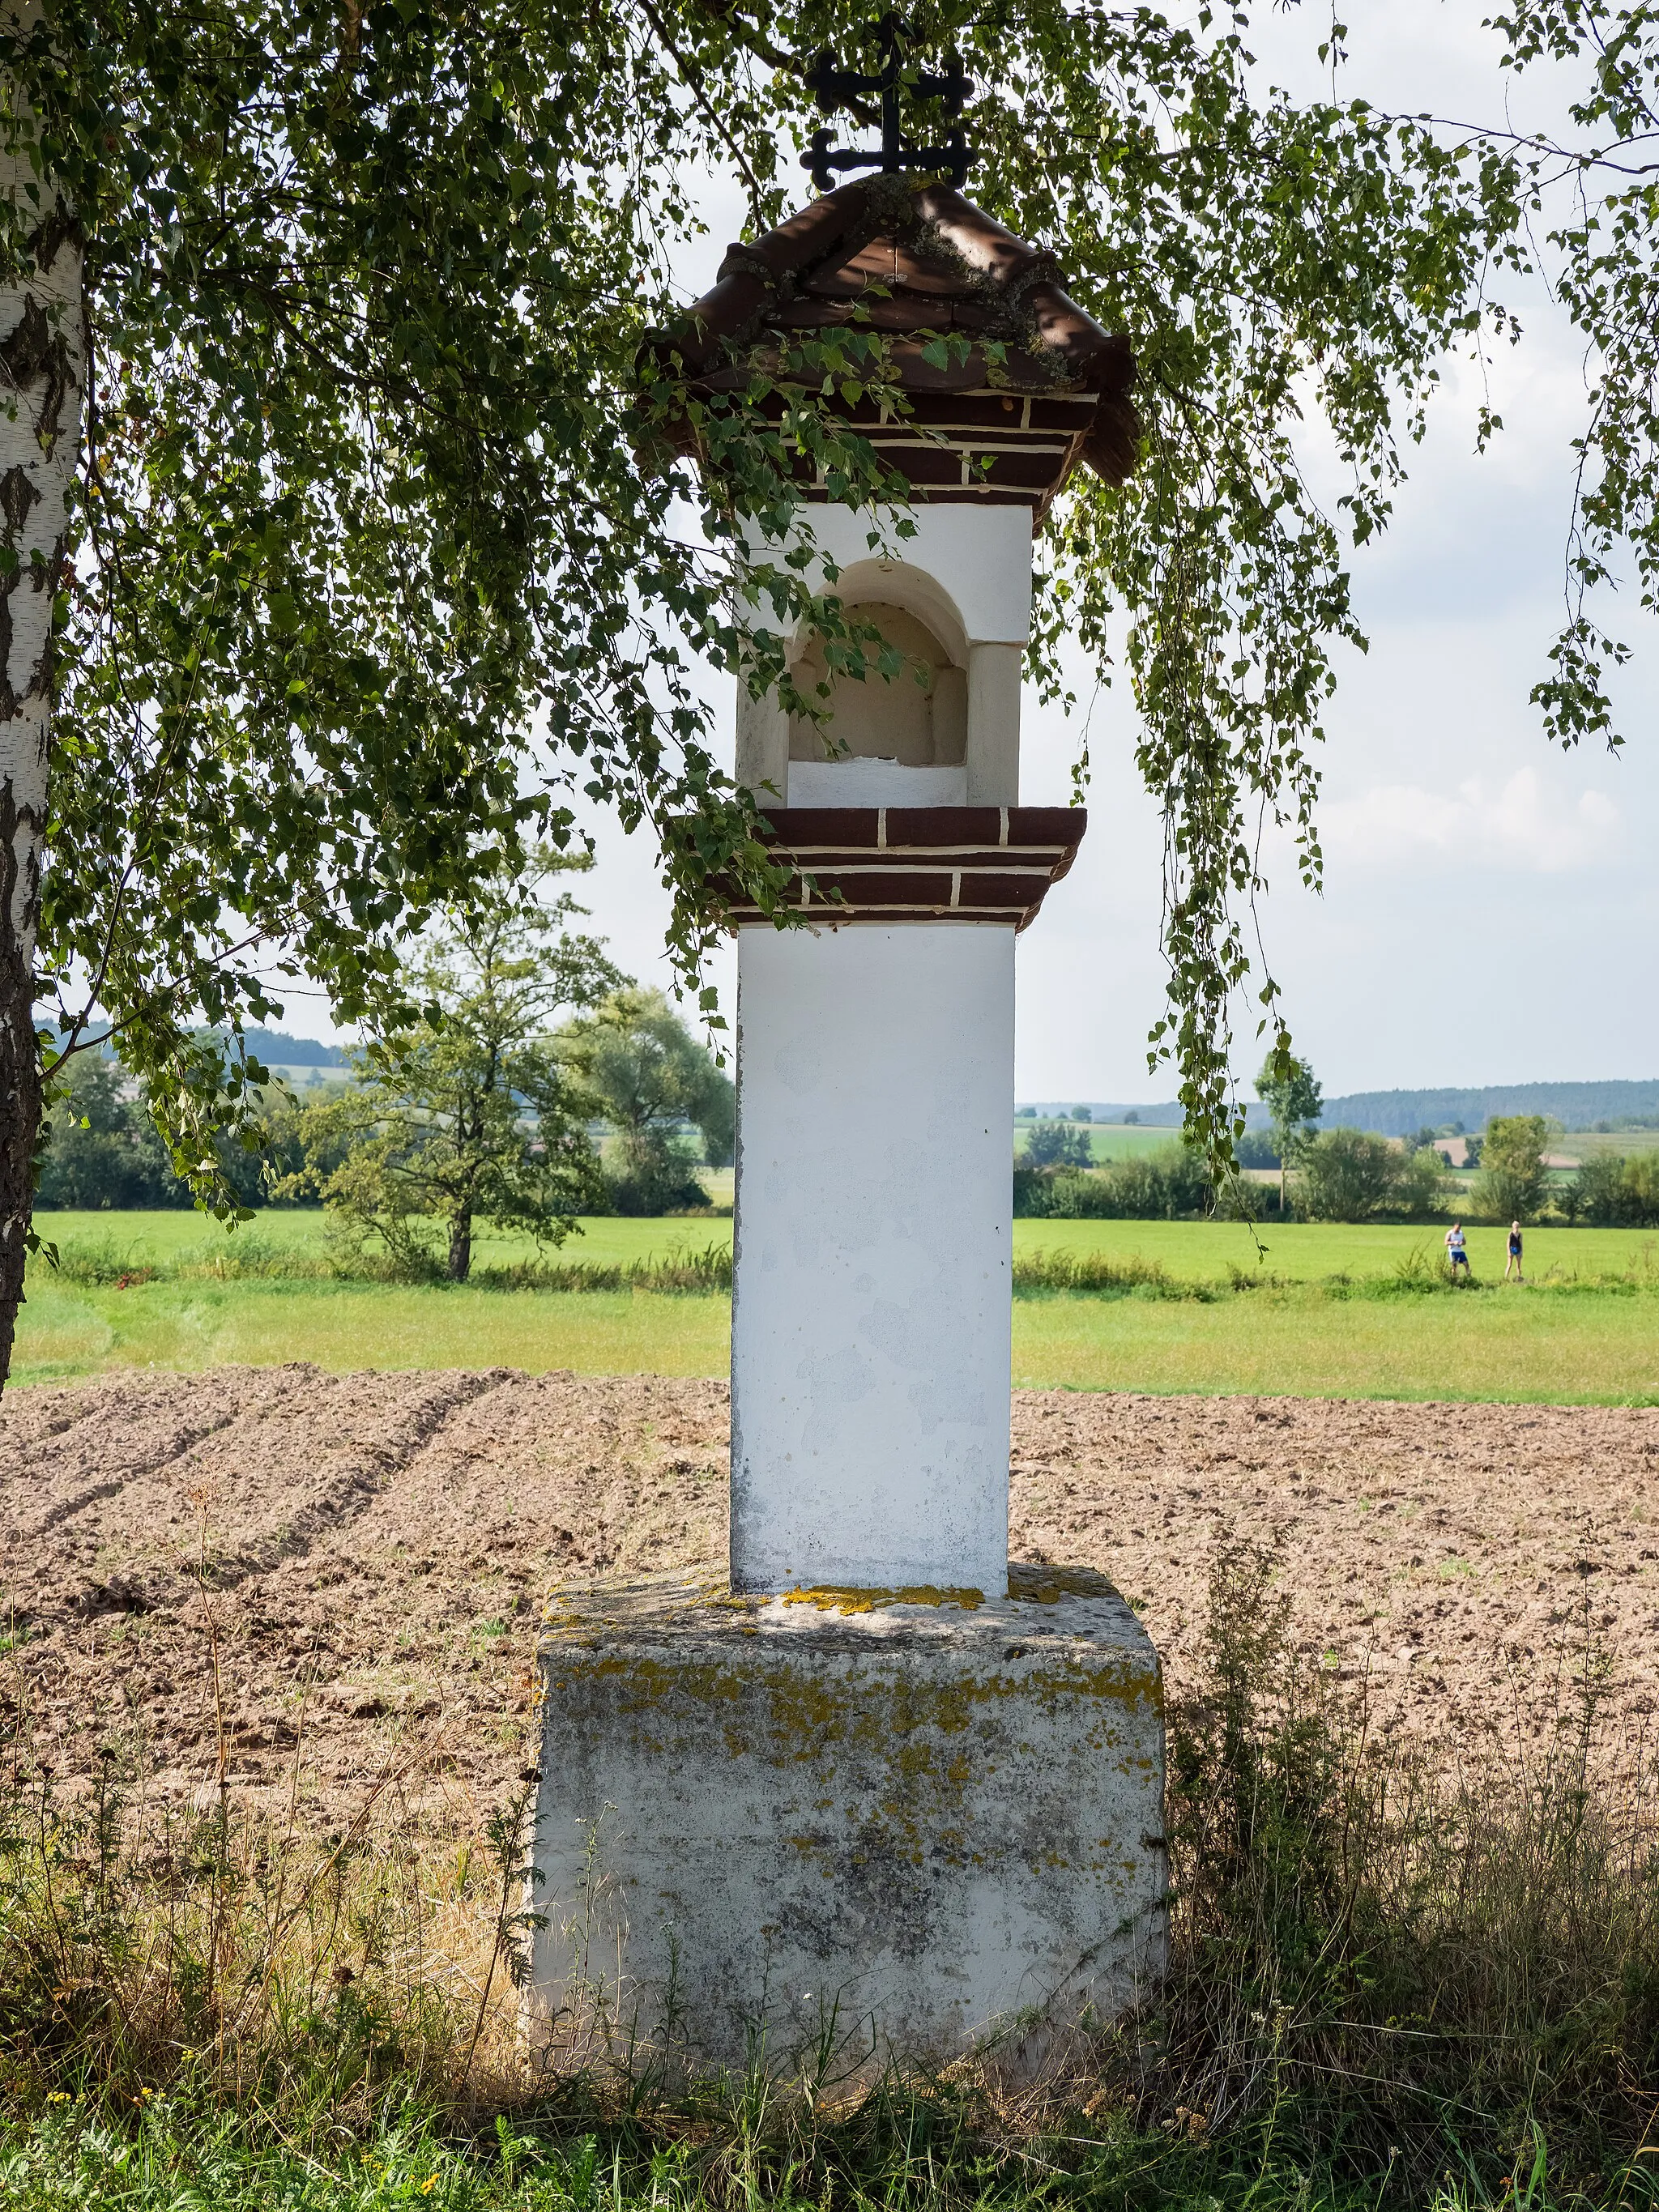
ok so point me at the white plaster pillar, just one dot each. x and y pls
(871, 1315)
(992, 752)
(762, 746)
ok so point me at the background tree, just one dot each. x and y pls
(1640, 1180)
(465, 1116)
(1348, 1175)
(1291, 1091)
(1612, 1192)
(643, 1071)
(1423, 1187)
(102, 1149)
(1513, 1182)
(1056, 1144)
(717, 1117)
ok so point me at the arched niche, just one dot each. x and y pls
(917, 717)
(898, 584)
(950, 740)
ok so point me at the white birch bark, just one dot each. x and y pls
(43, 354)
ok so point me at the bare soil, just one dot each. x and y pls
(315, 1582)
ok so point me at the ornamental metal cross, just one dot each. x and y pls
(836, 87)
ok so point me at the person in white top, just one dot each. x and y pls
(1456, 1253)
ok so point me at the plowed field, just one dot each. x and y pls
(359, 1562)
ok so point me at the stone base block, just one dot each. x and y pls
(932, 1818)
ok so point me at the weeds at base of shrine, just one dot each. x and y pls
(1389, 1985)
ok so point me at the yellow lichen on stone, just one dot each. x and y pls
(876, 1600)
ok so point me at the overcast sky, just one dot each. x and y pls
(1490, 907)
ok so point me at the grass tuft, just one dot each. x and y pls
(111, 1262)
(701, 1269)
(1098, 1274)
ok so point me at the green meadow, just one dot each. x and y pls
(1581, 1143)
(1306, 1310)
(1194, 1251)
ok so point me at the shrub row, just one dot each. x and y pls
(1613, 1192)
(1168, 1185)
(102, 1263)
(1341, 1176)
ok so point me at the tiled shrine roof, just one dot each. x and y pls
(915, 262)
(887, 864)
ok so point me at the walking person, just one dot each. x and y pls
(1457, 1251)
(1514, 1260)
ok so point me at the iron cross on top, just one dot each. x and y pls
(835, 88)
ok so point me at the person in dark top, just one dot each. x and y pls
(1514, 1260)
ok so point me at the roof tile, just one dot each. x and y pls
(907, 260)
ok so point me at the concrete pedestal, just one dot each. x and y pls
(939, 1823)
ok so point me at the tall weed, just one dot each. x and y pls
(697, 1268)
(1391, 1958)
(1097, 1275)
(105, 1262)
(219, 1956)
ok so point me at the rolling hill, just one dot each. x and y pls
(1399, 1113)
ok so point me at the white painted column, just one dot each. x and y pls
(870, 1314)
(994, 673)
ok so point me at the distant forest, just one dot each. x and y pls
(1390, 1113)
(1575, 1105)
(1401, 1113)
(276, 1049)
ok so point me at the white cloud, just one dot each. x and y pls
(1526, 822)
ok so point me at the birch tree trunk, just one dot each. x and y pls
(43, 352)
